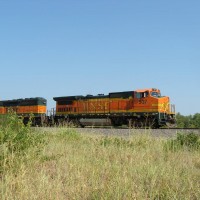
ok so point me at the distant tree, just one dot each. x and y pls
(196, 120)
(191, 121)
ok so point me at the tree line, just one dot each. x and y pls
(190, 121)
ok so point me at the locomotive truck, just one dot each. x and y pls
(139, 108)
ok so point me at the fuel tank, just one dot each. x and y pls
(95, 122)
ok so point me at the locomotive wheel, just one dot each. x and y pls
(144, 124)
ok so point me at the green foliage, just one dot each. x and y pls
(191, 121)
(189, 141)
(16, 138)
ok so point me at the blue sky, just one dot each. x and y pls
(58, 48)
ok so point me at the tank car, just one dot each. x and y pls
(139, 108)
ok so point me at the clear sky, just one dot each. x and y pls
(54, 48)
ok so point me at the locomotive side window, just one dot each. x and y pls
(145, 94)
(138, 95)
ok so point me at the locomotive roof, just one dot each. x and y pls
(125, 94)
(25, 101)
(69, 98)
(148, 89)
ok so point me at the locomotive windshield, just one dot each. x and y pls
(155, 94)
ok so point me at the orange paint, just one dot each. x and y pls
(147, 103)
(25, 109)
(2, 110)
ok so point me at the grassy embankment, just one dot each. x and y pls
(68, 165)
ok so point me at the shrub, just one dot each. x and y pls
(190, 141)
(16, 138)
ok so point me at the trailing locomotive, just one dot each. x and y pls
(139, 108)
(25, 108)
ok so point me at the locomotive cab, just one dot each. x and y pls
(151, 103)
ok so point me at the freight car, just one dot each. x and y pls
(25, 108)
(139, 108)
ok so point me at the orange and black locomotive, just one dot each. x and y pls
(26, 108)
(139, 108)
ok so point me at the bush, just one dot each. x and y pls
(16, 138)
(189, 141)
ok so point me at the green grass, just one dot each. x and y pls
(72, 165)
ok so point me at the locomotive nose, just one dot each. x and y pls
(163, 104)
